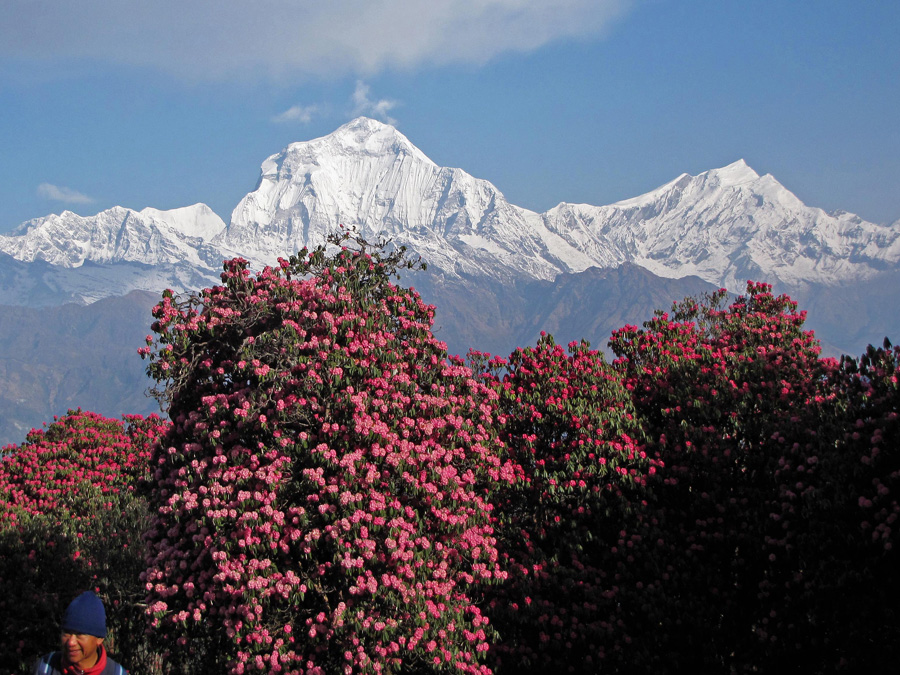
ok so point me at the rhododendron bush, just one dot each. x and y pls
(320, 502)
(71, 518)
(568, 525)
(843, 510)
(764, 535)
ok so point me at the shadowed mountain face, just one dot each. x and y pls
(850, 316)
(57, 358)
(497, 274)
(588, 305)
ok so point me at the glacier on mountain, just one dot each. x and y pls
(725, 226)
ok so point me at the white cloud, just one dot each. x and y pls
(297, 113)
(213, 39)
(62, 194)
(363, 105)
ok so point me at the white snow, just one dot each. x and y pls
(725, 225)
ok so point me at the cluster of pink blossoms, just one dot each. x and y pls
(571, 432)
(71, 517)
(758, 513)
(322, 495)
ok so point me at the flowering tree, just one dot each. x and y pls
(761, 502)
(833, 602)
(71, 518)
(721, 392)
(320, 502)
(567, 526)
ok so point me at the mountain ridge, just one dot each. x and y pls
(724, 225)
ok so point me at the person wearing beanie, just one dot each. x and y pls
(83, 629)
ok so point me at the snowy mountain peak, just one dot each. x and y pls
(371, 137)
(725, 225)
(729, 225)
(115, 235)
(361, 137)
(197, 220)
(365, 175)
(736, 173)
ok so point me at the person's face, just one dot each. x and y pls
(80, 649)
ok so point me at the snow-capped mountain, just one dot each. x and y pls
(368, 176)
(68, 257)
(117, 235)
(725, 226)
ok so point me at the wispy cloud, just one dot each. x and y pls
(214, 39)
(363, 105)
(62, 194)
(297, 113)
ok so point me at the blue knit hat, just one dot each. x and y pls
(85, 615)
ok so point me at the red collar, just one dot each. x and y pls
(96, 669)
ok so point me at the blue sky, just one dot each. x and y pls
(165, 103)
